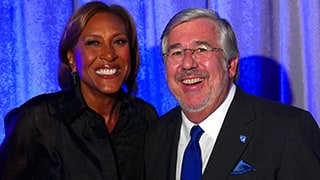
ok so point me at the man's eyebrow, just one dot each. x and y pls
(197, 43)
(174, 46)
(201, 43)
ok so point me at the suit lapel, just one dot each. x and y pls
(173, 135)
(235, 134)
(175, 142)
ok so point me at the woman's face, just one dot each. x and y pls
(102, 55)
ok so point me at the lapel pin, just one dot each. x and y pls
(243, 138)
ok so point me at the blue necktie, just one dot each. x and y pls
(191, 164)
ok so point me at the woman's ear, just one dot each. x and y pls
(71, 61)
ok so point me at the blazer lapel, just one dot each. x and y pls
(175, 141)
(167, 138)
(235, 134)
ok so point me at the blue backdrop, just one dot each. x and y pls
(278, 40)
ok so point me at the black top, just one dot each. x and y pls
(57, 136)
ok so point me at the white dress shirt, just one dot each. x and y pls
(211, 127)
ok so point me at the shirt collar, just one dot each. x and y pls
(75, 104)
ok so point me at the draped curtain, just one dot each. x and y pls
(279, 42)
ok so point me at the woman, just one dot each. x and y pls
(94, 128)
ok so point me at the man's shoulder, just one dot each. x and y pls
(266, 106)
(168, 122)
(171, 114)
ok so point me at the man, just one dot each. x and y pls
(241, 136)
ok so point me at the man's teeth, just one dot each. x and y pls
(106, 71)
(192, 81)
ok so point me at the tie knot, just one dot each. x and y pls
(196, 133)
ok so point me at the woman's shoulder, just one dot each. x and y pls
(47, 97)
(34, 107)
(140, 102)
(41, 100)
(142, 107)
(37, 102)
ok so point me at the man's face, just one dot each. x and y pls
(199, 83)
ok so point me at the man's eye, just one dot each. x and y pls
(176, 53)
(91, 43)
(201, 50)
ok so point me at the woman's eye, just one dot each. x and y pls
(91, 43)
(120, 41)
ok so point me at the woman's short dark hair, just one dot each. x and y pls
(73, 30)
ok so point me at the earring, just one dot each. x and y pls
(74, 76)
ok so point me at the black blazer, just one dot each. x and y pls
(259, 138)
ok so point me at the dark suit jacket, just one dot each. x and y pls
(281, 142)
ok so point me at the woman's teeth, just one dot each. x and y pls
(106, 71)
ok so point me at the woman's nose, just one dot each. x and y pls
(108, 53)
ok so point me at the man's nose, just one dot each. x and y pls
(189, 61)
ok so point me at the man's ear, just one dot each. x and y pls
(233, 67)
(71, 61)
